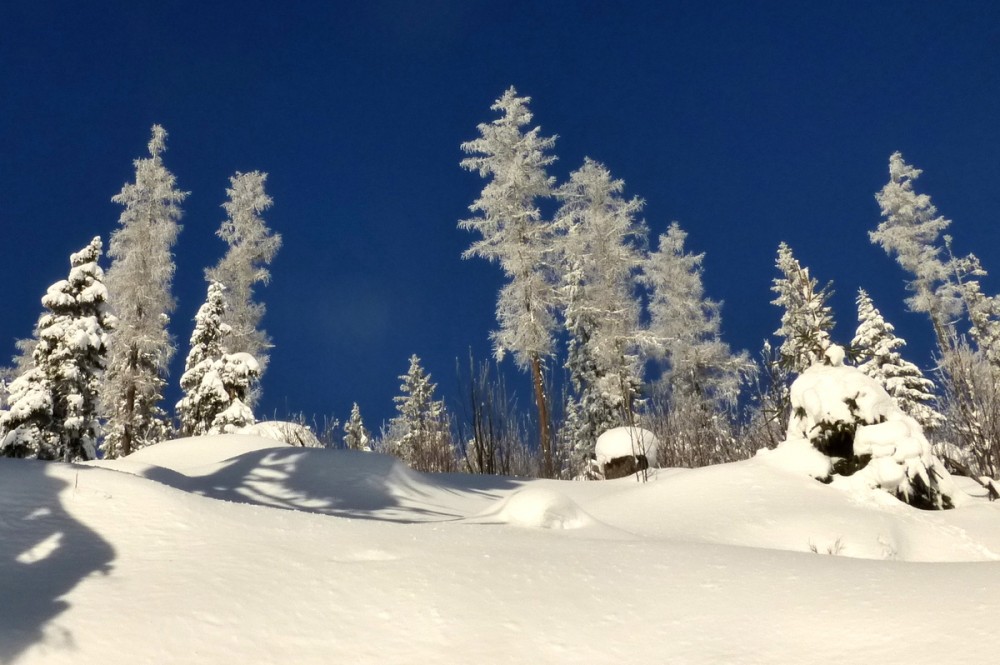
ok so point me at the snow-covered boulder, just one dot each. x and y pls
(852, 421)
(621, 451)
(293, 434)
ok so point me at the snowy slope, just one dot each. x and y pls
(229, 550)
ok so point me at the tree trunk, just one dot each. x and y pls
(544, 434)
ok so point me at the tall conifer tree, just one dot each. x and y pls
(515, 235)
(251, 248)
(139, 283)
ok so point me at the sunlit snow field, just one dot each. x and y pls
(231, 550)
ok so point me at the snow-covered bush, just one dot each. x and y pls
(859, 429)
(292, 433)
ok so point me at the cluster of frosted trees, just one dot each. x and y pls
(625, 329)
(92, 376)
(584, 295)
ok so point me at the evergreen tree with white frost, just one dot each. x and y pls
(419, 434)
(806, 319)
(946, 287)
(251, 248)
(139, 283)
(703, 376)
(875, 348)
(910, 230)
(356, 435)
(600, 246)
(514, 234)
(53, 404)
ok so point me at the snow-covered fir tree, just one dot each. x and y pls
(601, 247)
(238, 375)
(215, 383)
(875, 348)
(54, 404)
(139, 283)
(356, 435)
(702, 379)
(419, 434)
(806, 319)
(204, 396)
(251, 248)
(515, 235)
(25, 427)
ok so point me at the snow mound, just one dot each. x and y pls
(196, 451)
(250, 469)
(539, 508)
(626, 442)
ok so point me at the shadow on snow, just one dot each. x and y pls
(341, 483)
(44, 554)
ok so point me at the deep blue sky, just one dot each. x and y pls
(749, 123)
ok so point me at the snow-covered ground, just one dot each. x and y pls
(229, 550)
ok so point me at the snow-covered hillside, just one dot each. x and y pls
(229, 550)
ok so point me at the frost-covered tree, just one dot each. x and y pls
(910, 231)
(601, 247)
(806, 319)
(251, 248)
(875, 348)
(701, 382)
(515, 235)
(419, 434)
(356, 435)
(215, 383)
(946, 287)
(53, 405)
(139, 283)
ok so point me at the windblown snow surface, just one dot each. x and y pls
(229, 550)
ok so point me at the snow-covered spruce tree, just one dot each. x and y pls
(215, 383)
(875, 349)
(419, 434)
(845, 424)
(53, 405)
(25, 428)
(515, 235)
(204, 399)
(139, 283)
(238, 374)
(700, 386)
(806, 319)
(252, 247)
(356, 435)
(600, 248)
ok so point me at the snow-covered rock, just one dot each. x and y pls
(626, 442)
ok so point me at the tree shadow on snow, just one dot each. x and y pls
(343, 483)
(44, 554)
